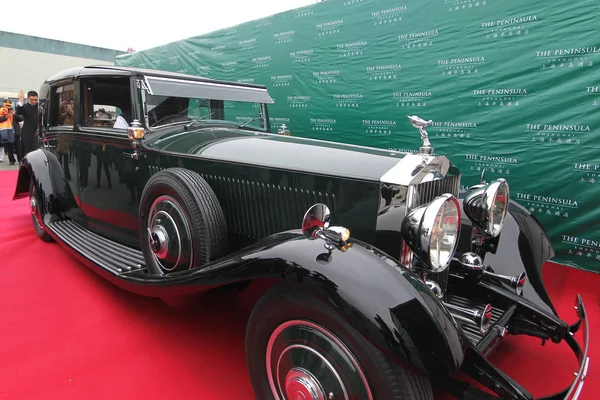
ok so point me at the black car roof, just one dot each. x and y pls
(129, 71)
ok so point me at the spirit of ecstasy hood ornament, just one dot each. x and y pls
(421, 124)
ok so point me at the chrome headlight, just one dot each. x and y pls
(487, 205)
(431, 231)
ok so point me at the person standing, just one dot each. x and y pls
(7, 132)
(17, 127)
(32, 116)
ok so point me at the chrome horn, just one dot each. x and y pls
(471, 261)
(515, 282)
(482, 318)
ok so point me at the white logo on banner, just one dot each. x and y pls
(384, 72)
(378, 127)
(301, 56)
(418, 39)
(261, 62)
(229, 66)
(322, 124)
(582, 247)
(509, 27)
(247, 44)
(455, 5)
(195, 55)
(245, 80)
(325, 77)
(281, 80)
(548, 205)
(284, 37)
(351, 49)
(262, 22)
(352, 2)
(588, 173)
(412, 151)
(565, 58)
(218, 50)
(298, 101)
(347, 100)
(329, 28)
(594, 91)
(557, 133)
(388, 16)
(303, 11)
(499, 97)
(452, 129)
(276, 122)
(461, 66)
(411, 99)
(173, 60)
(494, 164)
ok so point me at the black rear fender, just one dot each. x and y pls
(43, 169)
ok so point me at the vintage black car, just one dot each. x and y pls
(389, 278)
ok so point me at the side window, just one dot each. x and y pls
(107, 102)
(62, 111)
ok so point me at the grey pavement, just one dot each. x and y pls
(5, 164)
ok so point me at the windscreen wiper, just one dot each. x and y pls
(251, 120)
(195, 120)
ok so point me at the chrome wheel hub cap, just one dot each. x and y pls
(159, 241)
(169, 234)
(300, 384)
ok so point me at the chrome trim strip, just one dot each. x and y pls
(215, 91)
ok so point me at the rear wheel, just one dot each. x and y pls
(35, 205)
(298, 348)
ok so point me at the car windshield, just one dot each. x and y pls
(192, 103)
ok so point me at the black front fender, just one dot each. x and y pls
(523, 246)
(383, 300)
(44, 170)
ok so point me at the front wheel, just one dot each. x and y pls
(298, 348)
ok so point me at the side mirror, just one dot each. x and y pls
(315, 219)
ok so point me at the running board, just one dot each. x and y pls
(112, 256)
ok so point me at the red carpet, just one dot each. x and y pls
(65, 333)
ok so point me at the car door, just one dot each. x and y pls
(59, 114)
(109, 190)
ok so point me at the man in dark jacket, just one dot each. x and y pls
(32, 116)
(18, 146)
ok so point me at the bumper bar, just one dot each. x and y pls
(480, 369)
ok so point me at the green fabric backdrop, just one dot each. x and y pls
(513, 86)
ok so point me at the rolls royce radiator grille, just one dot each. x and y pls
(256, 210)
(427, 191)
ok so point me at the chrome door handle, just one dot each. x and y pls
(133, 155)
